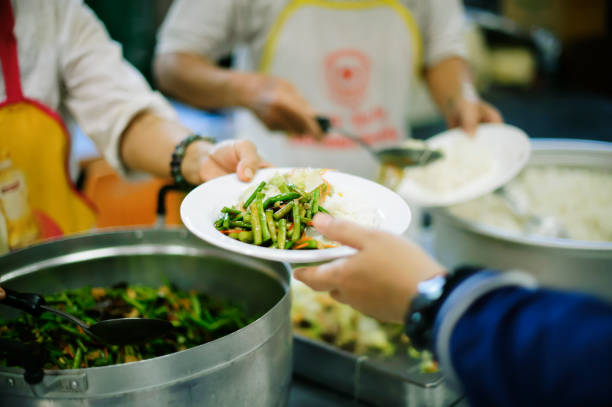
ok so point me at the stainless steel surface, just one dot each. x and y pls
(251, 366)
(408, 156)
(119, 331)
(398, 156)
(395, 381)
(577, 265)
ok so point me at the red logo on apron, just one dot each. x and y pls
(347, 73)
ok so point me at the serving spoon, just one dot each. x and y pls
(536, 225)
(120, 331)
(395, 156)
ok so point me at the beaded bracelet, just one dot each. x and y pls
(177, 159)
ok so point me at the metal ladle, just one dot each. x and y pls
(546, 226)
(395, 156)
(121, 331)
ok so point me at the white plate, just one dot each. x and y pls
(202, 206)
(508, 149)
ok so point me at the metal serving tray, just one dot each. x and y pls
(394, 381)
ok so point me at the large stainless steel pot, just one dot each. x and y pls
(577, 265)
(251, 366)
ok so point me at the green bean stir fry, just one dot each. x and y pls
(279, 220)
(197, 319)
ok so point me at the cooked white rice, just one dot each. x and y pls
(579, 198)
(346, 204)
(464, 161)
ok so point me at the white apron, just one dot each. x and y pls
(355, 62)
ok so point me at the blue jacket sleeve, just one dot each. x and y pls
(524, 347)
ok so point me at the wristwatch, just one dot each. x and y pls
(424, 307)
(177, 159)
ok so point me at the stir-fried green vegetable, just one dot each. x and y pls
(278, 221)
(197, 319)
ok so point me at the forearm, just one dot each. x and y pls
(518, 346)
(448, 81)
(274, 101)
(195, 80)
(148, 142)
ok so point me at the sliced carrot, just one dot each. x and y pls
(68, 351)
(328, 246)
(228, 231)
(303, 238)
(301, 245)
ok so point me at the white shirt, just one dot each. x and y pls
(68, 62)
(377, 49)
(213, 28)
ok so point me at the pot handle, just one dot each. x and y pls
(27, 302)
(28, 355)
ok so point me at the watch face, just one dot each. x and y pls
(432, 288)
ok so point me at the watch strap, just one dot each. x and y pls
(421, 315)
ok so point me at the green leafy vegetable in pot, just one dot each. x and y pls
(197, 318)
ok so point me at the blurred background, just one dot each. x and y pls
(544, 63)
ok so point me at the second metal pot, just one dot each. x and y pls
(563, 263)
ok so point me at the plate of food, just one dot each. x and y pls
(259, 219)
(470, 166)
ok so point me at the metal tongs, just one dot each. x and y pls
(395, 156)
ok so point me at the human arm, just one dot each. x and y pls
(134, 127)
(446, 71)
(196, 33)
(148, 142)
(507, 346)
(523, 347)
(359, 280)
(195, 80)
(451, 87)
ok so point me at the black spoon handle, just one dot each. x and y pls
(324, 123)
(27, 302)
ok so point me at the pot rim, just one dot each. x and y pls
(500, 234)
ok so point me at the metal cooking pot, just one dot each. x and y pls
(251, 366)
(577, 265)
